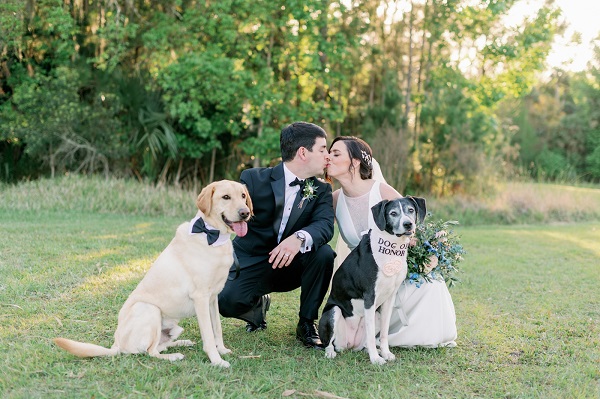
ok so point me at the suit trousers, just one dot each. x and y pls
(311, 271)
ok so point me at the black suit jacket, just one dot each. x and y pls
(267, 191)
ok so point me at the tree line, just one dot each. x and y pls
(184, 92)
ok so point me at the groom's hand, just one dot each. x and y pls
(283, 254)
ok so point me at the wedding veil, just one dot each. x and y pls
(341, 248)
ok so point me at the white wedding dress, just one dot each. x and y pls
(423, 316)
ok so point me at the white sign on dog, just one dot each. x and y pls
(389, 252)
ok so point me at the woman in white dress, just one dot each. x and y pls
(423, 316)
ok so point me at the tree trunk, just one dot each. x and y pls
(372, 87)
(213, 160)
(384, 66)
(177, 183)
(409, 68)
(196, 165)
(162, 180)
(52, 162)
(261, 122)
(421, 63)
(322, 89)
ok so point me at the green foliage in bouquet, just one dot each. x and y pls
(434, 253)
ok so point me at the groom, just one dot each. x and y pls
(286, 244)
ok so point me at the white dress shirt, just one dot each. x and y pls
(290, 196)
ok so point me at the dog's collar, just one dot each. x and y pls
(389, 252)
(214, 236)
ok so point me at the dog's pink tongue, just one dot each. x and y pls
(240, 228)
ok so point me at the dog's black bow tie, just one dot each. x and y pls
(298, 182)
(211, 235)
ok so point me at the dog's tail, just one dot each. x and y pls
(81, 349)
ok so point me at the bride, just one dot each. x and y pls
(423, 316)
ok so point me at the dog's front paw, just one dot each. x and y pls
(378, 360)
(184, 342)
(330, 352)
(175, 356)
(387, 355)
(223, 350)
(221, 363)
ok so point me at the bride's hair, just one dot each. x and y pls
(360, 150)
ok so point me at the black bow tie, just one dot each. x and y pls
(298, 182)
(211, 235)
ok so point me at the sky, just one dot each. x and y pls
(583, 16)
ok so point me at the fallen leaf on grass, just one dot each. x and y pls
(13, 305)
(143, 365)
(328, 395)
(320, 394)
(73, 375)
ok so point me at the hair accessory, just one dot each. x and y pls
(366, 157)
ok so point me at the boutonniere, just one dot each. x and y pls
(309, 192)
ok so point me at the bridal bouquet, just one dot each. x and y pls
(434, 253)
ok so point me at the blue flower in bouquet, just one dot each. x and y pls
(429, 247)
(434, 254)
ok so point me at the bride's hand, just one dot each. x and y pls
(284, 253)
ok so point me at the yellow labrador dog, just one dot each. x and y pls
(184, 280)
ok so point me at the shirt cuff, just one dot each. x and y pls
(308, 243)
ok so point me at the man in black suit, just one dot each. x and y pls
(286, 244)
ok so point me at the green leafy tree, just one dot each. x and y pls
(184, 91)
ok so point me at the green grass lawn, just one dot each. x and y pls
(528, 310)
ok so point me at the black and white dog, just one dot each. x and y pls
(367, 279)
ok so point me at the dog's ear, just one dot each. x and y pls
(248, 201)
(421, 207)
(379, 214)
(204, 201)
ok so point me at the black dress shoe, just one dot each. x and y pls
(251, 327)
(308, 335)
(259, 312)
